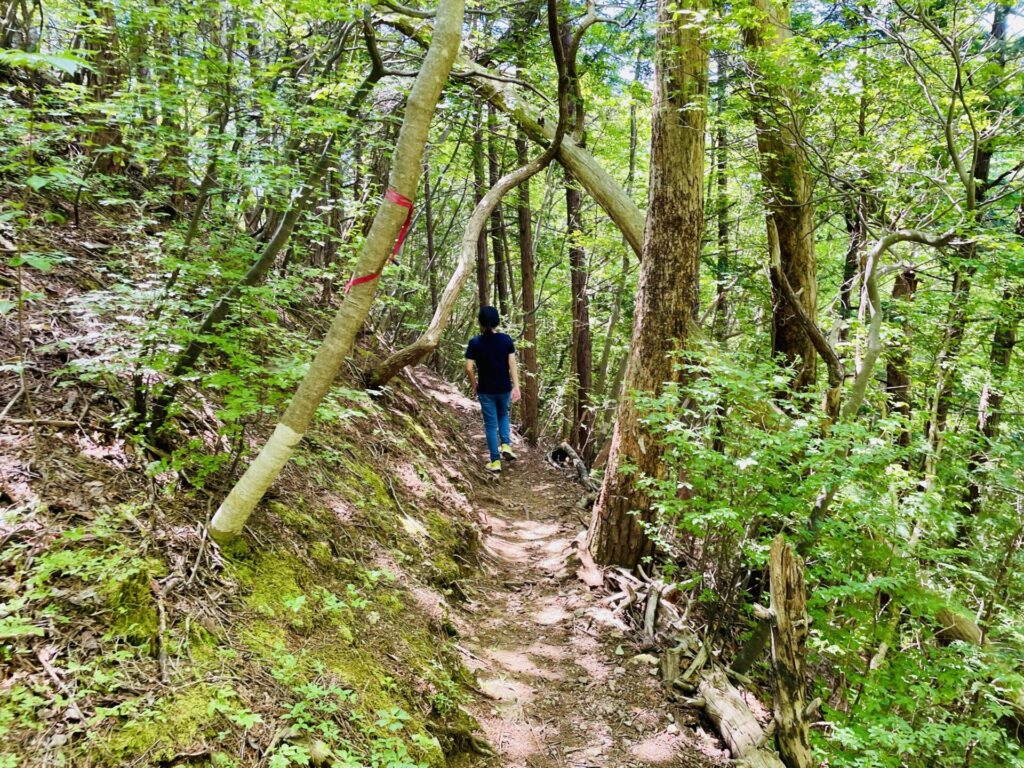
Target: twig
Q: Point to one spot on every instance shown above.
(61, 686)
(16, 398)
(161, 645)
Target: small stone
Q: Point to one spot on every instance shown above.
(670, 716)
(619, 651)
(672, 730)
(644, 658)
(619, 671)
(58, 740)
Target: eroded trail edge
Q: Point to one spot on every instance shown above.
(560, 682)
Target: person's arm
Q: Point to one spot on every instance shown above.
(471, 373)
(514, 370)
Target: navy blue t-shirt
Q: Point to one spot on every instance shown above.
(491, 351)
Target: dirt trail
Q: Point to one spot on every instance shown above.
(560, 688)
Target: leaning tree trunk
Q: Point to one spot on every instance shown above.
(405, 171)
(788, 189)
(194, 350)
(668, 274)
(584, 167)
(430, 338)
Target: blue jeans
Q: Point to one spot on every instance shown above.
(495, 410)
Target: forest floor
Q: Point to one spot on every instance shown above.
(561, 684)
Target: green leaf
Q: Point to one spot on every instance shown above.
(25, 60)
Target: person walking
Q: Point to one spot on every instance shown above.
(491, 367)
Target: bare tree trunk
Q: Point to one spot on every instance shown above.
(528, 349)
(783, 171)
(428, 215)
(501, 283)
(482, 267)
(897, 369)
(406, 166)
(662, 321)
(790, 628)
(429, 340)
(720, 324)
(599, 184)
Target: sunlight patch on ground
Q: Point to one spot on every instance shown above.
(519, 663)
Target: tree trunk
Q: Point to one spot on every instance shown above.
(897, 370)
(479, 184)
(740, 730)
(585, 169)
(964, 268)
(582, 416)
(528, 349)
(788, 190)
(406, 165)
(790, 628)
(720, 324)
(669, 269)
(501, 283)
(428, 215)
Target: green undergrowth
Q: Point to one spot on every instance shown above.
(306, 642)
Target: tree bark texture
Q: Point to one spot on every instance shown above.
(668, 273)
(790, 627)
(897, 369)
(483, 292)
(529, 406)
(737, 725)
(406, 166)
(788, 190)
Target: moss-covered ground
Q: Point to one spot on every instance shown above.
(131, 639)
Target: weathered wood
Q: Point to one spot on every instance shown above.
(790, 624)
(735, 722)
(581, 468)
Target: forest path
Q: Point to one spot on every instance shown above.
(559, 686)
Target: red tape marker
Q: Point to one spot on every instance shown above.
(392, 197)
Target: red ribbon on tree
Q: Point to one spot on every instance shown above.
(392, 197)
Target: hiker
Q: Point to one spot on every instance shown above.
(495, 383)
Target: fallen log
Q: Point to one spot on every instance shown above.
(737, 725)
(582, 473)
